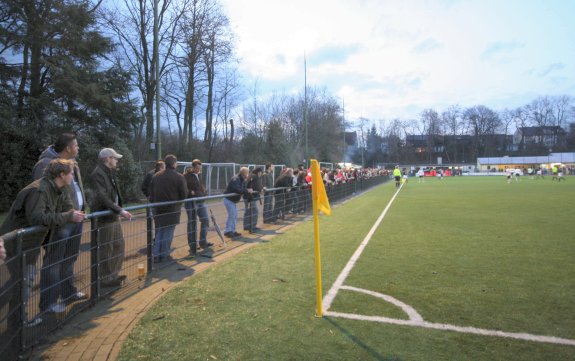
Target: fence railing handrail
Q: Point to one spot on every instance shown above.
(35, 229)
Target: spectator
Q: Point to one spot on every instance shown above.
(2, 251)
(251, 201)
(236, 188)
(167, 185)
(41, 203)
(158, 166)
(107, 196)
(268, 183)
(196, 209)
(61, 253)
(284, 181)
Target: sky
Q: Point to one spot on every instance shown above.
(392, 59)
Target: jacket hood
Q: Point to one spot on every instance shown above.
(49, 153)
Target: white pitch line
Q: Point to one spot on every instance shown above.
(348, 267)
(461, 329)
(415, 318)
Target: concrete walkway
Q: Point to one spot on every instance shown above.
(98, 333)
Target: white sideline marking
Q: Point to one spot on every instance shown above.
(347, 269)
(415, 318)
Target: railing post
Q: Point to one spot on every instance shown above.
(149, 238)
(95, 261)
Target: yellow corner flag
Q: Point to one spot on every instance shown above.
(320, 202)
(318, 194)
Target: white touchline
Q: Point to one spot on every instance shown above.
(347, 269)
(415, 318)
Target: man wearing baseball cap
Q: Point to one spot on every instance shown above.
(107, 197)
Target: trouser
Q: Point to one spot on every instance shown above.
(195, 211)
(268, 207)
(279, 206)
(232, 211)
(57, 275)
(111, 251)
(162, 245)
(250, 214)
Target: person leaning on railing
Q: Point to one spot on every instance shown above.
(61, 253)
(236, 188)
(268, 183)
(251, 201)
(2, 251)
(41, 203)
(107, 197)
(196, 209)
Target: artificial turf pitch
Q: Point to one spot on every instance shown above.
(466, 251)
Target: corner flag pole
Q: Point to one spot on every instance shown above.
(320, 202)
(318, 288)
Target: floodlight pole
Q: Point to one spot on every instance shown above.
(343, 128)
(157, 76)
(305, 107)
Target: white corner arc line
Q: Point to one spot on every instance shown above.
(414, 316)
(460, 329)
(327, 301)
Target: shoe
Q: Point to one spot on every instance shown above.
(237, 234)
(78, 296)
(57, 308)
(33, 322)
(206, 245)
(229, 234)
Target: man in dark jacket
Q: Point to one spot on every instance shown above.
(251, 201)
(284, 181)
(167, 185)
(196, 209)
(61, 253)
(147, 182)
(42, 203)
(236, 188)
(268, 183)
(107, 197)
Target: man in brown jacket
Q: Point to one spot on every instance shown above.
(167, 185)
(107, 197)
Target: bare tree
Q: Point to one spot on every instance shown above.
(132, 23)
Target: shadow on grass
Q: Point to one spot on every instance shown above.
(376, 355)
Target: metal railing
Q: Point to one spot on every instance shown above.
(42, 288)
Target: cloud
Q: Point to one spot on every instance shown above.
(550, 68)
(499, 48)
(425, 46)
(337, 54)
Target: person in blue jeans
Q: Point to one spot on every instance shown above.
(196, 209)
(236, 189)
(251, 201)
(167, 185)
(57, 273)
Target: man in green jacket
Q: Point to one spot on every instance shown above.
(41, 203)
